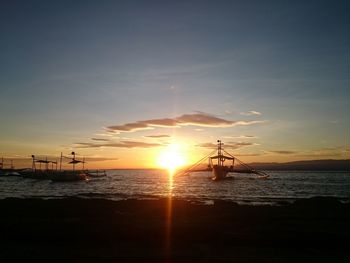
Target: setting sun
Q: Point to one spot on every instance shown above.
(171, 158)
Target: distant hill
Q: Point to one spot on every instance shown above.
(310, 165)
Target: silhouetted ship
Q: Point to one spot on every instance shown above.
(219, 167)
(10, 171)
(55, 174)
(220, 170)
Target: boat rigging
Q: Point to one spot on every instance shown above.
(218, 165)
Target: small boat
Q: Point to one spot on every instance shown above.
(34, 174)
(54, 175)
(219, 170)
(39, 173)
(67, 176)
(11, 171)
(96, 173)
(219, 167)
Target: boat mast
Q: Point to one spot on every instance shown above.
(60, 162)
(220, 163)
(73, 162)
(33, 163)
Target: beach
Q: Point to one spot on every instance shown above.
(171, 230)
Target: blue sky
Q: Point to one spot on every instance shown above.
(69, 69)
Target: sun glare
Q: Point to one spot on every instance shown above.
(171, 158)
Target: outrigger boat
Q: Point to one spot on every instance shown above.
(11, 171)
(54, 174)
(39, 173)
(219, 168)
(74, 175)
(96, 173)
(57, 174)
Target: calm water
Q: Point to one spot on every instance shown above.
(123, 184)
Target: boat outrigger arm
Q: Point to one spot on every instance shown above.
(219, 168)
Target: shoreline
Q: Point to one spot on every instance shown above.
(91, 230)
(256, 201)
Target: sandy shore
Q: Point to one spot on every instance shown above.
(96, 230)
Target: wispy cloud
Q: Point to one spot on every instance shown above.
(241, 137)
(99, 159)
(283, 152)
(316, 153)
(334, 121)
(104, 134)
(100, 139)
(158, 136)
(319, 155)
(325, 152)
(121, 144)
(249, 154)
(196, 119)
(250, 113)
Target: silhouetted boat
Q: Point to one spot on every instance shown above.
(95, 173)
(67, 176)
(219, 169)
(7, 171)
(39, 173)
(54, 175)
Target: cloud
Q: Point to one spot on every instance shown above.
(245, 123)
(318, 155)
(207, 145)
(99, 159)
(234, 145)
(334, 121)
(158, 136)
(104, 134)
(322, 152)
(129, 127)
(197, 119)
(325, 152)
(121, 144)
(100, 139)
(330, 149)
(248, 154)
(283, 152)
(242, 137)
(250, 113)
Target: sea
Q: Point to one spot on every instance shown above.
(279, 188)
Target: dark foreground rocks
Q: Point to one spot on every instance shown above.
(97, 230)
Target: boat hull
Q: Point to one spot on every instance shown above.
(220, 172)
(96, 173)
(68, 176)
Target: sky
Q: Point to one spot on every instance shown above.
(121, 82)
